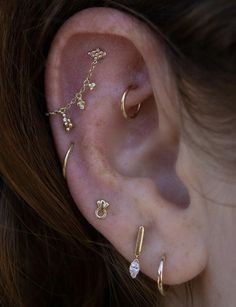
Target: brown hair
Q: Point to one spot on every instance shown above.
(49, 255)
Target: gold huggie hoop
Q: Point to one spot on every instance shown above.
(160, 276)
(66, 159)
(122, 105)
(134, 266)
(101, 211)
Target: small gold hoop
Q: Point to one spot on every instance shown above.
(122, 105)
(160, 276)
(101, 211)
(66, 159)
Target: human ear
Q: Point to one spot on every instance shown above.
(129, 163)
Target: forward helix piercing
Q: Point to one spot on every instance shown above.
(135, 266)
(96, 55)
(160, 276)
(123, 108)
(101, 211)
(66, 159)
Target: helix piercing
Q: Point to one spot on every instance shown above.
(101, 211)
(135, 266)
(96, 55)
(66, 159)
(122, 105)
(160, 275)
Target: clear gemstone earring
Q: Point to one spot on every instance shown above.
(135, 266)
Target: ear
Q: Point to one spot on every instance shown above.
(129, 163)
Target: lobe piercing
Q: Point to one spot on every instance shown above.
(135, 266)
(96, 55)
(160, 275)
(66, 159)
(101, 211)
(122, 105)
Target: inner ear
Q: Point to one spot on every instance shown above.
(141, 151)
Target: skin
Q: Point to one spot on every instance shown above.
(144, 167)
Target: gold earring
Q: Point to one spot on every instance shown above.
(96, 56)
(66, 159)
(101, 211)
(135, 266)
(122, 105)
(160, 276)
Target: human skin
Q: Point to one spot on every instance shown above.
(142, 166)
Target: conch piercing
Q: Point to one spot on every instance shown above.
(66, 159)
(122, 105)
(134, 266)
(160, 276)
(96, 55)
(101, 211)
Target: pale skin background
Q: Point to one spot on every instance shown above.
(146, 170)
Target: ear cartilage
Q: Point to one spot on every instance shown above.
(101, 211)
(135, 266)
(96, 56)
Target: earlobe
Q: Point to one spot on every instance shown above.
(121, 171)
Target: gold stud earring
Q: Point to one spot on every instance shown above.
(66, 159)
(135, 266)
(101, 211)
(96, 56)
(160, 275)
(122, 105)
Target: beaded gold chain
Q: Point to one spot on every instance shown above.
(96, 55)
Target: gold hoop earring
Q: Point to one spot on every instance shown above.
(122, 106)
(66, 159)
(160, 276)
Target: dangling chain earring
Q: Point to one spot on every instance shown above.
(96, 55)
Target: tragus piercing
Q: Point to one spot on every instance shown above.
(96, 55)
(135, 266)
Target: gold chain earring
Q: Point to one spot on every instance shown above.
(160, 275)
(122, 105)
(96, 55)
(101, 211)
(66, 159)
(135, 266)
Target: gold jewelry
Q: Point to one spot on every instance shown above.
(66, 159)
(96, 55)
(160, 276)
(122, 106)
(101, 211)
(134, 266)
